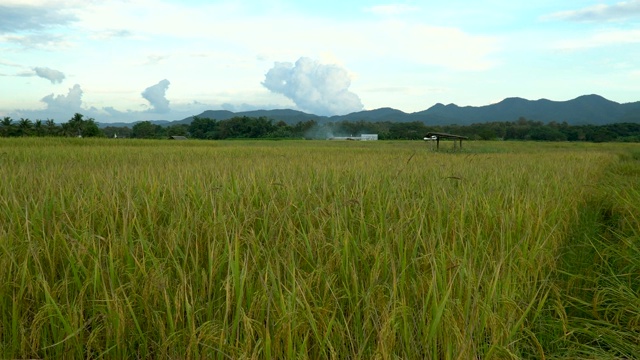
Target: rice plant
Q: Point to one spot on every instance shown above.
(297, 249)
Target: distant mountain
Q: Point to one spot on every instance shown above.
(382, 114)
(124, 124)
(287, 115)
(587, 109)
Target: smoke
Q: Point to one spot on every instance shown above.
(72, 101)
(52, 75)
(322, 89)
(155, 95)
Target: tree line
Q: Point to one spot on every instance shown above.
(77, 126)
(244, 127)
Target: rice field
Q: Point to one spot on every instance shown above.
(318, 249)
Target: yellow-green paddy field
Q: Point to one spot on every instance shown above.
(118, 248)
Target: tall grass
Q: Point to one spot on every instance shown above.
(112, 249)
(596, 311)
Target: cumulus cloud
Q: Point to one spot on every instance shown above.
(62, 107)
(618, 11)
(322, 89)
(52, 75)
(72, 101)
(155, 95)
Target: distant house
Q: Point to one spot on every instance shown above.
(176, 137)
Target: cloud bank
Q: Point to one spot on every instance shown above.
(72, 102)
(155, 95)
(63, 106)
(618, 11)
(19, 18)
(52, 75)
(322, 89)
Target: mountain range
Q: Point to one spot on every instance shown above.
(586, 109)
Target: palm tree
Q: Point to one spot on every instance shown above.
(74, 125)
(6, 126)
(24, 127)
(51, 129)
(39, 129)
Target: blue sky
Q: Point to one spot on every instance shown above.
(150, 59)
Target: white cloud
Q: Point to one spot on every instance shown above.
(601, 38)
(619, 11)
(322, 89)
(391, 9)
(370, 46)
(410, 40)
(448, 48)
(19, 18)
(155, 59)
(52, 75)
(155, 95)
(71, 102)
(37, 41)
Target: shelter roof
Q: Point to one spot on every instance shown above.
(445, 135)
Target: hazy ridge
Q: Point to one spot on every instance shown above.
(586, 109)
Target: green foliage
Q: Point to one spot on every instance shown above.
(546, 133)
(595, 307)
(203, 128)
(116, 132)
(244, 127)
(81, 127)
(77, 126)
(147, 130)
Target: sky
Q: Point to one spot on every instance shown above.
(128, 60)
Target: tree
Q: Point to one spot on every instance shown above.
(118, 132)
(145, 130)
(409, 131)
(78, 126)
(601, 134)
(38, 129)
(547, 133)
(244, 127)
(304, 129)
(203, 128)
(7, 128)
(51, 129)
(177, 130)
(24, 127)
(73, 127)
(90, 128)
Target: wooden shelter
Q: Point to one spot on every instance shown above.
(177, 137)
(439, 135)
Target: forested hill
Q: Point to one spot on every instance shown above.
(584, 110)
(588, 109)
(286, 115)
